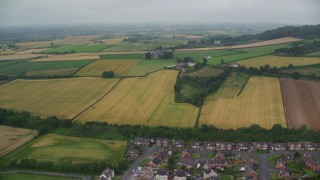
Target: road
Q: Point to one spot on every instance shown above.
(264, 167)
(48, 174)
(129, 175)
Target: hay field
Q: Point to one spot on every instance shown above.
(257, 44)
(54, 72)
(59, 149)
(119, 67)
(63, 98)
(148, 100)
(279, 61)
(70, 57)
(259, 103)
(12, 138)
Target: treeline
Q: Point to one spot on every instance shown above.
(206, 86)
(56, 52)
(299, 49)
(125, 132)
(69, 167)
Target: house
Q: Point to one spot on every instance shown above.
(248, 159)
(162, 142)
(294, 146)
(250, 173)
(188, 163)
(217, 163)
(281, 164)
(178, 143)
(146, 174)
(107, 174)
(180, 175)
(279, 147)
(195, 144)
(156, 161)
(161, 174)
(219, 156)
(284, 174)
(186, 154)
(243, 146)
(209, 145)
(141, 141)
(133, 153)
(260, 145)
(234, 65)
(191, 64)
(312, 164)
(308, 146)
(223, 146)
(210, 174)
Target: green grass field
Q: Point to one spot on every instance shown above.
(59, 149)
(10, 62)
(314, 54)
(19, 68)
(121, 56)
(247, 53)
(77, 48)
(25, 176)
(305, 70)
(200, 54)
(146, 66)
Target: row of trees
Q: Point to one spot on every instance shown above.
(299, 49)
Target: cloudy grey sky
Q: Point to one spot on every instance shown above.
(24, 12)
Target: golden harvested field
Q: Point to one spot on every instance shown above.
(52, 72)
(63, 41)
(70, 57)
(279, 61)
(259, 103)
(119, 67)
(148, 100)
(262, 43)
(12, 138)
(63, 98)
(20, 56)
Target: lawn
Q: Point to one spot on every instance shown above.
(64, 98)
(19, 68)
(25, 176)
(59, 149)
(119, 67)
(121, 56)
(143, 100)
(279, 61)
(259, 103)
(13, 138)
(200, 54)
(76, 48)
(147, 66)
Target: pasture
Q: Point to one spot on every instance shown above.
(259, 103)
(19, 68)
(70, 57)
(59, 149)
(279, 61)
(12, 138)
(201, 54)
(301, 102)
(148, 100)
(119, 67)
(29, 176)
(145, 67)
(76, 48)
(64, 98)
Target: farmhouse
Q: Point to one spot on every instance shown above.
(161, 174)
(107, 174)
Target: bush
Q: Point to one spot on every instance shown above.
(108, 74)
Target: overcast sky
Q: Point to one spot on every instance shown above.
(24, 12)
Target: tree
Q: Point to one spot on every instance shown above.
(222, 61)
(108, 74)
(147, 55)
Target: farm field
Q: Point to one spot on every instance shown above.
(247, 53)
(13, 138)
(147, 66)
(200, 54)
(204, 72)
(122, 56)
(314, 54)
(279, 61)
(64, 98)
(70, 57)
(148, 100)
(54, 72)
(301, 102)
(18, 68)
(259, 103)
(28, 176)
(119, 67)
(30, 51)
(77, 48)
(256, 44)
(8, 63)
(19, 56)
(305, 70)
(59, 149)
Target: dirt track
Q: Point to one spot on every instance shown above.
(301, 102)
